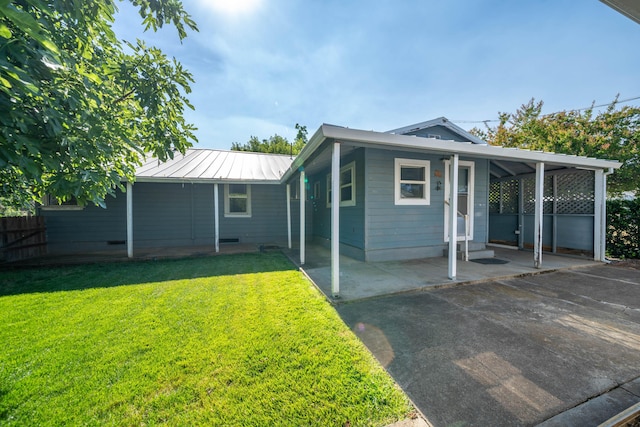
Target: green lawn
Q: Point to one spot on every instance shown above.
(228, 340)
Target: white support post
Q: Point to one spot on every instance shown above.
(303, 196)
(539, 217)
(599, 216)
(129, 220)
(216, 218)
(335, 219)
(453, 216)
(289, 216)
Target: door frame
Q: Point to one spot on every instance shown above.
(470, 165)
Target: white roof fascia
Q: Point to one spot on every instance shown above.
(470, 149)
(309, 148)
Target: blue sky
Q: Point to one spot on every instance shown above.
(261, 66)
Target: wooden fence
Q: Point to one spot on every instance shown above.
(22, 238)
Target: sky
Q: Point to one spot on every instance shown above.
(261, 66)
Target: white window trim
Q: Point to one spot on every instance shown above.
(228, 214)
(399, 163)
(49, 203)
(352, 201)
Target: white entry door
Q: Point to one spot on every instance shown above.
(466, 178)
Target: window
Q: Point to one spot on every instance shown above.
(316, 190)
(295, 189)
(411, 182)
(49, 203)
(237, 200)
(347, 186)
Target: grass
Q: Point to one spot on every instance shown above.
(228, 340)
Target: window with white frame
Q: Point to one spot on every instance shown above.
(237, 200)
(347, 186)
(411, 182)
(50, 203)
(295, 189)
(316, 190)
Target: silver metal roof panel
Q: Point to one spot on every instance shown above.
(216, 165)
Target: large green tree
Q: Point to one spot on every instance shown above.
(276, 144)
(80, 108)
(613, 133)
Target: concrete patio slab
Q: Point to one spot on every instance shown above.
(360, 280)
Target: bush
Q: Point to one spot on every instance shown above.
(623, 228)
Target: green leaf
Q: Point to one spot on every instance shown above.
(5, 82)
(5, 32)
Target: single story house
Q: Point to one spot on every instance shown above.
(370, 195)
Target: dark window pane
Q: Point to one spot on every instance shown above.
(345, 177)
(238, 205)
(345, 193)
(411, 173)
(237, 188)
(412, 191)
(463, 180)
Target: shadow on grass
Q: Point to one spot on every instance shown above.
(104, 275)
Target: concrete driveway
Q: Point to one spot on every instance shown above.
(561, 348)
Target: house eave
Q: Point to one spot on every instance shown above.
(387, 140)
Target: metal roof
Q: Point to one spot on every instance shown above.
(629, 8)
(208, 165)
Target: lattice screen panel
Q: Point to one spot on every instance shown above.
(576, 193)
(510, 196)
(529, 190)
(503, 197)
(494, 197)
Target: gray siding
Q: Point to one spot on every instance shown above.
(168, 214)
(441, 131)
(92, 228)
(351, 217)
(396, 232)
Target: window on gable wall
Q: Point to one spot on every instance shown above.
(347, 186)
(237, 200)
(411, 182)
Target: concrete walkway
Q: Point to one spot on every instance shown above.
(359, 280)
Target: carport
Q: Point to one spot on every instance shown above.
(573, 208)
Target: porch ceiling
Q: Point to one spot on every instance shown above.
(506, 169)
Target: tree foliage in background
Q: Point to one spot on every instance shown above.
(623, 228)
(79, 107)
(276, 144)
(612, 134)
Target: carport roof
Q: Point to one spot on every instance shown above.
(386, 140)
